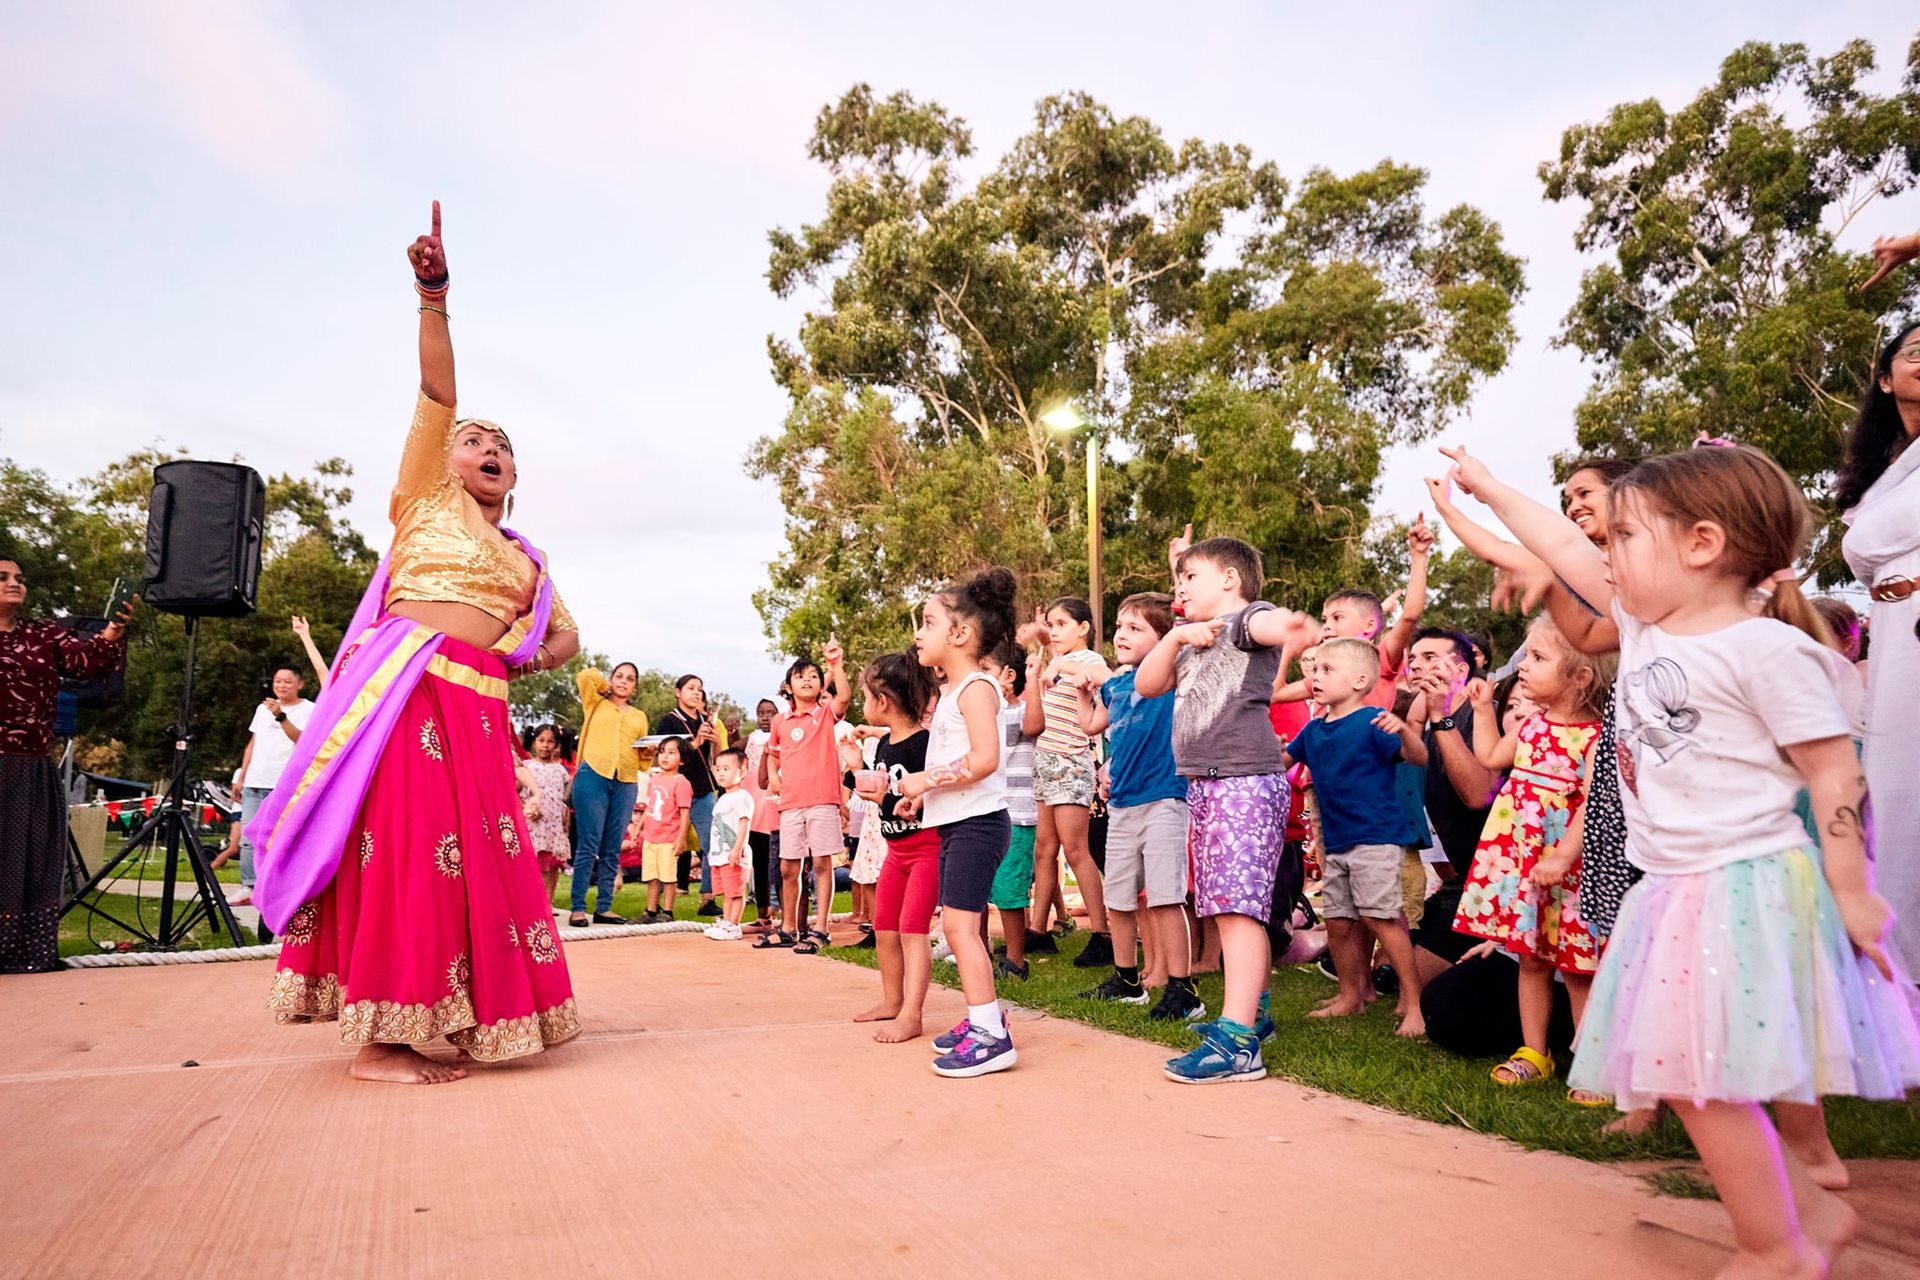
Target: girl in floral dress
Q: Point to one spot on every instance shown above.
(1523, 891)
(547, 806)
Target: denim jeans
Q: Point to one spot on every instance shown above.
(702, 815)
(601, 808)
(251, 798)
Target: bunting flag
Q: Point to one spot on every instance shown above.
(146, 804)
(113, 811)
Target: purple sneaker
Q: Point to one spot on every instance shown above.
(947, 1041)
(981, 1053)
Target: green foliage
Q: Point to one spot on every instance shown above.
(74, 540)
(1724, 307)
(552, 697)
(1245, 349)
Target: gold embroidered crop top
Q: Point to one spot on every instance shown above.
(444, 549)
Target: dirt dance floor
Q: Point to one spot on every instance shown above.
(719, 1117)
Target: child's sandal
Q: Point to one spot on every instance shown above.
(778, 938)
(806, 947)
(1524, 1067)
(1588, 1098)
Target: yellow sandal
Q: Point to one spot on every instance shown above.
(1523, 1067)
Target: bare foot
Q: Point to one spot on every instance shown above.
(1829, 1222)
(1365, 1001)
(1822, 1164)
(401, 1064)
(1339, 1007)
(1634, 1123)
(1412, 1026)
(1802, 1264)
(898, 1031)
(882, 1012)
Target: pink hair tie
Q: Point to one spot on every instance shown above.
(1705, 441)
(1782, 576)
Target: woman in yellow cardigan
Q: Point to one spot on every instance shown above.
(605, 783)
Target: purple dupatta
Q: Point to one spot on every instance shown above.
(302, 828)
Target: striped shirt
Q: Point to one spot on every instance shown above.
(1017, 747)
(1061, 701)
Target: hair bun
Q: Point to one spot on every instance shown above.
(995, 589)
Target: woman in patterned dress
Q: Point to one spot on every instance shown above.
(396, 864)
(34, 656)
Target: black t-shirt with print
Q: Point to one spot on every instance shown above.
(697, 765)
(1456, 824)
(899, 759)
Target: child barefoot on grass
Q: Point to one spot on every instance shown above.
(1742, 969)
(1352, 751)
(898, 691)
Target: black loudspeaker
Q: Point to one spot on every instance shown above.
(100, 691)
(204, 525)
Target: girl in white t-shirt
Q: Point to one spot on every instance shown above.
(1742, 970)
(962, 794)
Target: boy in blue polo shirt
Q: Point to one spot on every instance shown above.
(1352, 751)
(1146, 818)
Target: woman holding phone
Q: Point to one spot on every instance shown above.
(691, 720)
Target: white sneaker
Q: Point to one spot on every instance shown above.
(244, 898)
(718, 932)
(735, 933)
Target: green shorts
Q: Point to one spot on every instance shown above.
(1013, 883)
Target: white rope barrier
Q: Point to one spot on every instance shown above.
(118, 959)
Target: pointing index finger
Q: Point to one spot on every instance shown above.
(436, 219)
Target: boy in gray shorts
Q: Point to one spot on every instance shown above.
(1352, 751)
(1146, 818)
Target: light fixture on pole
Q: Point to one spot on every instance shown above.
(1065, 419)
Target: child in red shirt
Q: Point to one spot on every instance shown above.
(662, 829)
(803, 770)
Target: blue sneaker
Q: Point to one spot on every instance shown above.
(1223, 1056)
(981, 1053)
(1262, 1027)
(947, 1041)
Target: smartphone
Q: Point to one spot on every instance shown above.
(117, 598)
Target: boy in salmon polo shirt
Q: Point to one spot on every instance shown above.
(803, 771)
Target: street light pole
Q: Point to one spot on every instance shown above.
(1096, 578)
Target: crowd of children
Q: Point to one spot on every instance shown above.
(1653, 819)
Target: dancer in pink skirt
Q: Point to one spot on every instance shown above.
(395, 862)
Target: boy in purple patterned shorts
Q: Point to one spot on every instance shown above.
(1223, 661)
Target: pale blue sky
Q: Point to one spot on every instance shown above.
(207, 203)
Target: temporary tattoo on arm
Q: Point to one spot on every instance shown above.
(1847, 824)
(942, 775)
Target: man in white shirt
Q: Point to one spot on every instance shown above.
(276, 727)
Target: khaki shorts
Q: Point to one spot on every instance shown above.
(1146, 849)
(1362, 880)
(659, 861)
(1413, 887)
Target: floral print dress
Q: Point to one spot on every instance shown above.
(1530, 816)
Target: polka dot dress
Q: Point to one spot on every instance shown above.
(1605, 873)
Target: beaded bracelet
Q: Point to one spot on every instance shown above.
(439, 311)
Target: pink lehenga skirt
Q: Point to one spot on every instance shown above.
(436, 922)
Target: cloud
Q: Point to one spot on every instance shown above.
(230, 77)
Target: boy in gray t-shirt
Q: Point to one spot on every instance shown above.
(1223, 662)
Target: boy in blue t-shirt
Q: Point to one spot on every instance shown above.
(1353, 753)
(1146, 818)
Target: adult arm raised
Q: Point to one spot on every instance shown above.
(429, 258)
(1545, 532)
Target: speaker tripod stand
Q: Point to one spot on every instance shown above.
(170, 822)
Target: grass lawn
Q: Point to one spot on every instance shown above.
(1361, 1058)
(81, 932)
